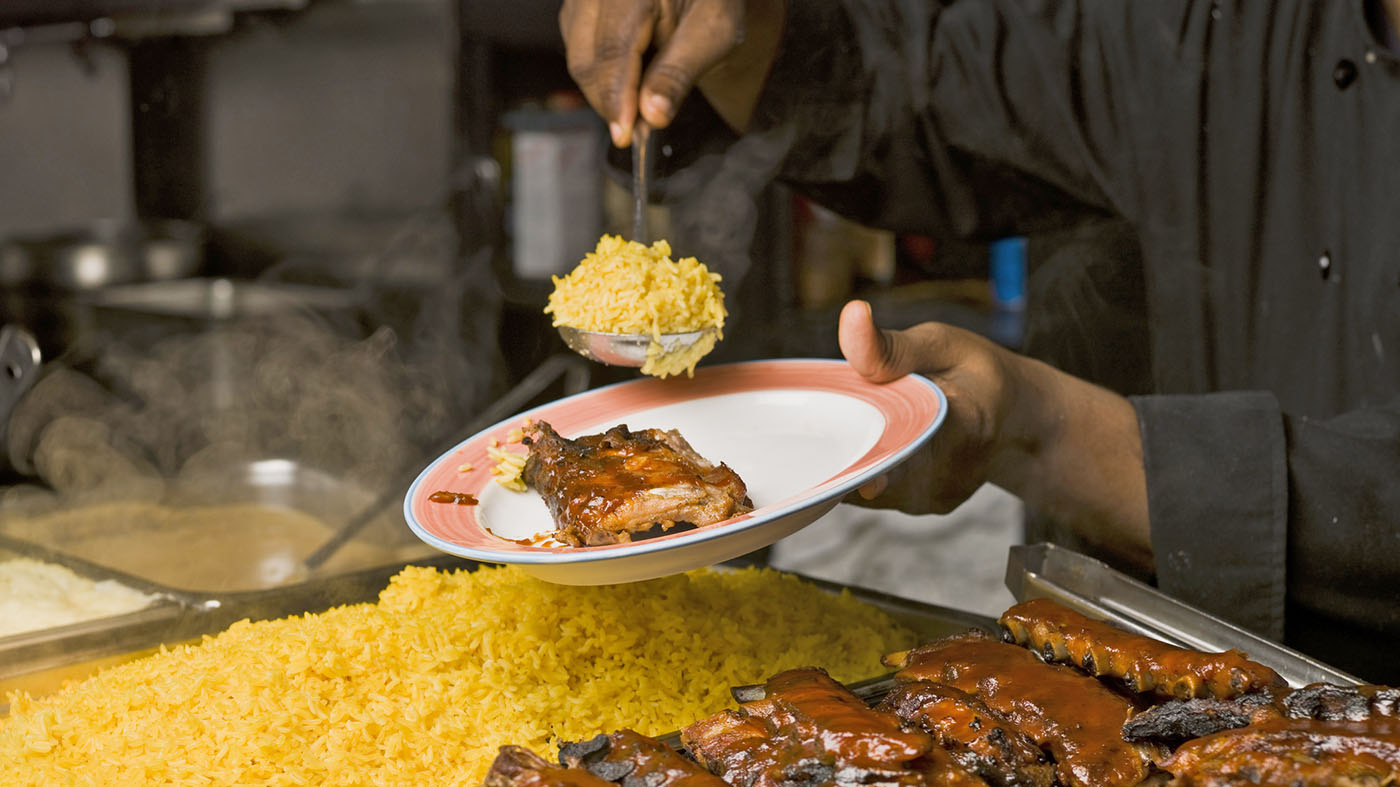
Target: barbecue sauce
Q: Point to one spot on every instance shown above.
(1143, 664)
(459, 498)
(1076, 718)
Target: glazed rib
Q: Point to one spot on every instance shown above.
(808, 703)
(939, 768)
(1076, 718)
(741, 750)
(975, 736)
(1142, 663)
(1301, 752)
(516, 766)
(631, 759)
(606, 488)
(807, 729)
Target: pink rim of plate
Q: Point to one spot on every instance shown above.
(913, 408)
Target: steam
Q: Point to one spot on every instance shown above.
(716, 209)
(359, 391)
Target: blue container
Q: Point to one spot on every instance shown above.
(1008, 273)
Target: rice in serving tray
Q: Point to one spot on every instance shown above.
(422, 687)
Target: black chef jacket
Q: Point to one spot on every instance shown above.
(1255, 149)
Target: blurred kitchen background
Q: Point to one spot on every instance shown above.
(289, 250)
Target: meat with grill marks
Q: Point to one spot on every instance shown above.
(1180, 720)
(628, 758)
(516, 766)
(809, 730)
(1143, 664)
(1078, 719)
(741, 750)
(1293, 752)
(609, 488)
(974, 735)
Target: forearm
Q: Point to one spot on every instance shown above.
(1072, 451)
(733, 85)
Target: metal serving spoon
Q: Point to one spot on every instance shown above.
(624, 349)
(630, 349)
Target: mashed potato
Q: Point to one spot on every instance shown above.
(36, 595)
(625, 287)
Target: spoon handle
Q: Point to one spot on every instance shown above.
(641, 139)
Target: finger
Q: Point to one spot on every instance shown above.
(873, 489)
(605, 42)
(578, 24)
(881, 356)
(865, 346)
(703, 36)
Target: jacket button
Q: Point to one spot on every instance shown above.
(1344, 73)
(1324, 265)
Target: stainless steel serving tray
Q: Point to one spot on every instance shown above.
(1094, 589)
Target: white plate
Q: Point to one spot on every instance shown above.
(801, 433)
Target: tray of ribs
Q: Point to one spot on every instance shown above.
(1058, 699)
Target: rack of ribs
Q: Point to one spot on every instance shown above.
(607, 488)
(1076, 718)
(1303, 752)
(806, 729)
(1143, 664)
(974, 735)
(628, 758)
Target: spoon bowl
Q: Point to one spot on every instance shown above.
(625, 349)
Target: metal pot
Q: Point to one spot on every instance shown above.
(103, 254)
(19, 367)
(46, 282)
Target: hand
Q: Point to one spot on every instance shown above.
(1065, 446)
(725, 45)
(974, 376)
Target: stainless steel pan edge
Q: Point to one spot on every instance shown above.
(1094, 589)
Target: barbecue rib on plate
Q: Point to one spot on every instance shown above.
(606, 488)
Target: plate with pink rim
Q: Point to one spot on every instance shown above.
(801, 433)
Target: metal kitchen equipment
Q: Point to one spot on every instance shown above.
(624, 349)
(19, 366)
(641, 140)
(1094, 589)
(47, 281)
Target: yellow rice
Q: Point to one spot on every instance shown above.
(626, 287)
(422, 687)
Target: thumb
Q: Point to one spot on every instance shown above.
(873, 353)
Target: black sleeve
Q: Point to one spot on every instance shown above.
(1267, 519)
(975, 117)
